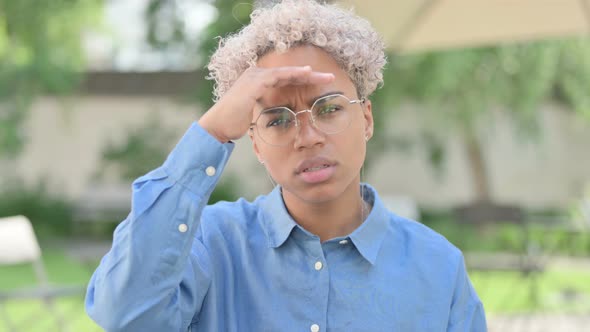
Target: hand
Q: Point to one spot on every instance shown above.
(230, 118)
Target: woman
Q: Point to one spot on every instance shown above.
(320, 252)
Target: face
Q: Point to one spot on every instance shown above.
(314, 167)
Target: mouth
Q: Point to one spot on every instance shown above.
(313, 165)
(316, 170)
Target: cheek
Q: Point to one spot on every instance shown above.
(357, 143)
(358, 150)
(276, 160)
(352, 147)
(356, 132)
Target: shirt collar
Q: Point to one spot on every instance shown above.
(276, 220)
(367, 238)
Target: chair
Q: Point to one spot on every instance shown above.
(18, 245)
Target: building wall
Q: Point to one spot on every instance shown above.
(66, 137)
(548, 171)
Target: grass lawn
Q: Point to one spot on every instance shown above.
(553, 291)
(32, 315)
(559, 291)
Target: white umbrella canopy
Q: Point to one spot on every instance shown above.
(409, 26)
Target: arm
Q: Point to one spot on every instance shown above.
(467, 312)
(157, 273)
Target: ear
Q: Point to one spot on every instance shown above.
(254, 144)
(368, 115)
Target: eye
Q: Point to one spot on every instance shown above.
(282, 122)
(277, 118)
(328, 109)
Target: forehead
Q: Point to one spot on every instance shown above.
(319, 61)
(298, 56)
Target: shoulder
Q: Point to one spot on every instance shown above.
(418, 234)
(423, 245)
(411, 240)
(426, 256)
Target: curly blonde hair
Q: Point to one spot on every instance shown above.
(349, 39)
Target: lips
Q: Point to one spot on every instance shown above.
(313, 165)
(313, 169)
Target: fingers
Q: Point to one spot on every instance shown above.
(230, 117)
(283, 76)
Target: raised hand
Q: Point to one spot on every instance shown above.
(230, 118)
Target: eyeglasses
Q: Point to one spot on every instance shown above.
(330, 114)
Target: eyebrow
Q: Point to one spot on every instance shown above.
(310, 102)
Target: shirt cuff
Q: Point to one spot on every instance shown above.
(198, 160)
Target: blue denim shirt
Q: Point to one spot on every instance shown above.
(179, 265)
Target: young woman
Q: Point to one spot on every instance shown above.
(318, 253)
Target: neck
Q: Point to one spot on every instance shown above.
(330, 219)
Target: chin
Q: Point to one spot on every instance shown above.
(318, 192)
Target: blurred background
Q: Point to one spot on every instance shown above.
(483, 134)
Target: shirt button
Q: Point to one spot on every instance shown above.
(315, 328)
(182, 228)
(343, 242)
(210, 170)
(318, 266)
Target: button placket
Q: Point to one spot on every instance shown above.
(321, 280)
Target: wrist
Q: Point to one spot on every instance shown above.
(204, 123)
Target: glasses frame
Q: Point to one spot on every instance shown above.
(360, 101)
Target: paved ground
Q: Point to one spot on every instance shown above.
(539, 323)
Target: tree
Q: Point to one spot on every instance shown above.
(231, 16)
(40, 51)
(457, 89)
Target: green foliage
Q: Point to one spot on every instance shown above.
(456, 91)
(165, 27)
(563, 241)
(579, 212)
(232, 16)
(504, 237)
(460, 87)
(144, 149)
(40, 51)
(49, 213)
(573, 76)
(511, 292)
(165, 16)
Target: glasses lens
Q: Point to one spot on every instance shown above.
(332, 113)
(276, 126)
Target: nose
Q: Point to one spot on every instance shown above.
(308, 135)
